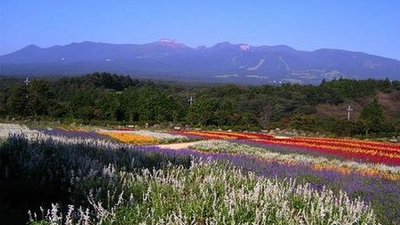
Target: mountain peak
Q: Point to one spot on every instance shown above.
(84, 43)
(170, 43)
(201, 48)
(244, 47)
(225, 43)
(166, 40)
(32, 47)
(222, 45)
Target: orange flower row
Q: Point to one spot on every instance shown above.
(389, 147)
(363, 171)
(209, 135)
(235, 135)
(225, 135)
(131, 138)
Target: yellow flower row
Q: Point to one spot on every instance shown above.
(363, 171)
(211, 135)
(131, 138)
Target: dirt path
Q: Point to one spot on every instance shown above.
(177, 146)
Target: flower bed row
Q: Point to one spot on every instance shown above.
(387, 155)
(317, 163)
(71, 133)
(131, 138)
(225, 135)
(7, 129)
(162, 137)
(368, 151)
(143, 137)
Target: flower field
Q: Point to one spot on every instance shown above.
(368, 151)
(317, 163)
(364, 157)
(93, 177)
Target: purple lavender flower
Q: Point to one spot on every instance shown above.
(72, 133)
(383, 194)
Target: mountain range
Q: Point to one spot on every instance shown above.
(224, 62)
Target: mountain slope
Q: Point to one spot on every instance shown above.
(223, 62)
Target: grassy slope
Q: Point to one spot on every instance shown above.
(390, 103)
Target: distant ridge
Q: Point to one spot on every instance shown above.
(224, 62)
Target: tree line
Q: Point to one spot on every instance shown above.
(115, 99)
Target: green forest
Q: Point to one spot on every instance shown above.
(111, 99)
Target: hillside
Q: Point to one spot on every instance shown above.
(105, 98)
(390, 103)
(221, 63)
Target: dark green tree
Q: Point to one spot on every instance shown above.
(18, 101)
(81, 105)
(303, 122)
(39, 97)
(372, 117)
(109, 106)
(202, 111)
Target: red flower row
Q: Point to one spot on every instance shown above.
(377, 152)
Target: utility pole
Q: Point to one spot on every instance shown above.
(349, 110)
(27, 81)
(190, 100)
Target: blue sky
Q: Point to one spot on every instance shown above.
(370, 26)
